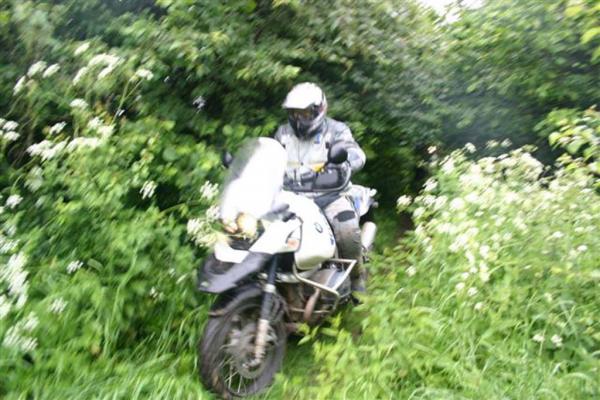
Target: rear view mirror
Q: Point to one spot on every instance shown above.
(337, 153)
(226, 159)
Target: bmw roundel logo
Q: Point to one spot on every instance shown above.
(318, 227)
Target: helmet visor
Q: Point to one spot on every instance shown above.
(305, 115)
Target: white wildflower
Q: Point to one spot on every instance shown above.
(57, 128)
(457, 204)
(472, 291)
(492, 144)
(440, 202)
(430, 185)
(520, 224)
(194, 226)
(13, 201)
(80, 74)
(29, 344)
(14, 274)
(511, 197)
(403, 201)
(411, 271)
(74, 266)
(506, 143)
(464, 276)
(4, 306)
(35, 179)
(484, 276)
(19, 85)
(83, 142)
(148, 189)
(478, 306)
(557, 235)
(58, 306)
(79, 103)
(199, 102)
(105, 59)
(448, 165)
(13, 339)
(106, 130)
(153, 292)
(209, 191)
(144, 74)
(472, 198)
(557, 340)
(459, 243)
(212, 213)
(7, 246)
(10, 125)
(582, 249)
(470, 148)
(46, 149)
(428, 200)
(36, 68)
(105, 72)
(30, 323)
(419, 212)
(95, 123)
(82, 48)
(431, 149)
(484, 251)
(538, 337)
(51, 70)
(11, 136)
(459, 286)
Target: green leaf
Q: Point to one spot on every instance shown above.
(575, 145)
(170, 154)
(590, 34)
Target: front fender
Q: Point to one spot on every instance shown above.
(218, 277)
(228, 301)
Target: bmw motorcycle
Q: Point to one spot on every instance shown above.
(275, 267)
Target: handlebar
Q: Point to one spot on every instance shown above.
(333, 179)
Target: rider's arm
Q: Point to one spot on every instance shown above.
(356, 156)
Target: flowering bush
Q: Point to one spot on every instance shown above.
(93, 242)
(493, 294)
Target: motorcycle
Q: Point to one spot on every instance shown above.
(276, 266)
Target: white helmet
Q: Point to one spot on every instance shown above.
(306, 105)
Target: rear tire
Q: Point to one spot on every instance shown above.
(227, 347)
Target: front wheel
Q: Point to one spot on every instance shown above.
(227, 364)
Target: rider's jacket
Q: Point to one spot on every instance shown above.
(311, 153)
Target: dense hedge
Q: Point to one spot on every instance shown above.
(113, 115)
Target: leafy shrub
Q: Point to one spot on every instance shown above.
(93, 228)
(494, 293)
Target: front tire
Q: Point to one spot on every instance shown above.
(227, 349)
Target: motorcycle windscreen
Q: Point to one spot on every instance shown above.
(255, 178)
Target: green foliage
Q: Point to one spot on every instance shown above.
(493, 294)
(512, 62)
(577, 132)
(113, 117)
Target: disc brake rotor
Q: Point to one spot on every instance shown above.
(241, 349)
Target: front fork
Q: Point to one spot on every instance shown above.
(262, 331)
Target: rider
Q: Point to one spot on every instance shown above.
(307, 137)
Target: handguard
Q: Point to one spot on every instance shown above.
(333, 178)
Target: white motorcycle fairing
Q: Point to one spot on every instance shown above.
(317, 243)
(308, 235)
